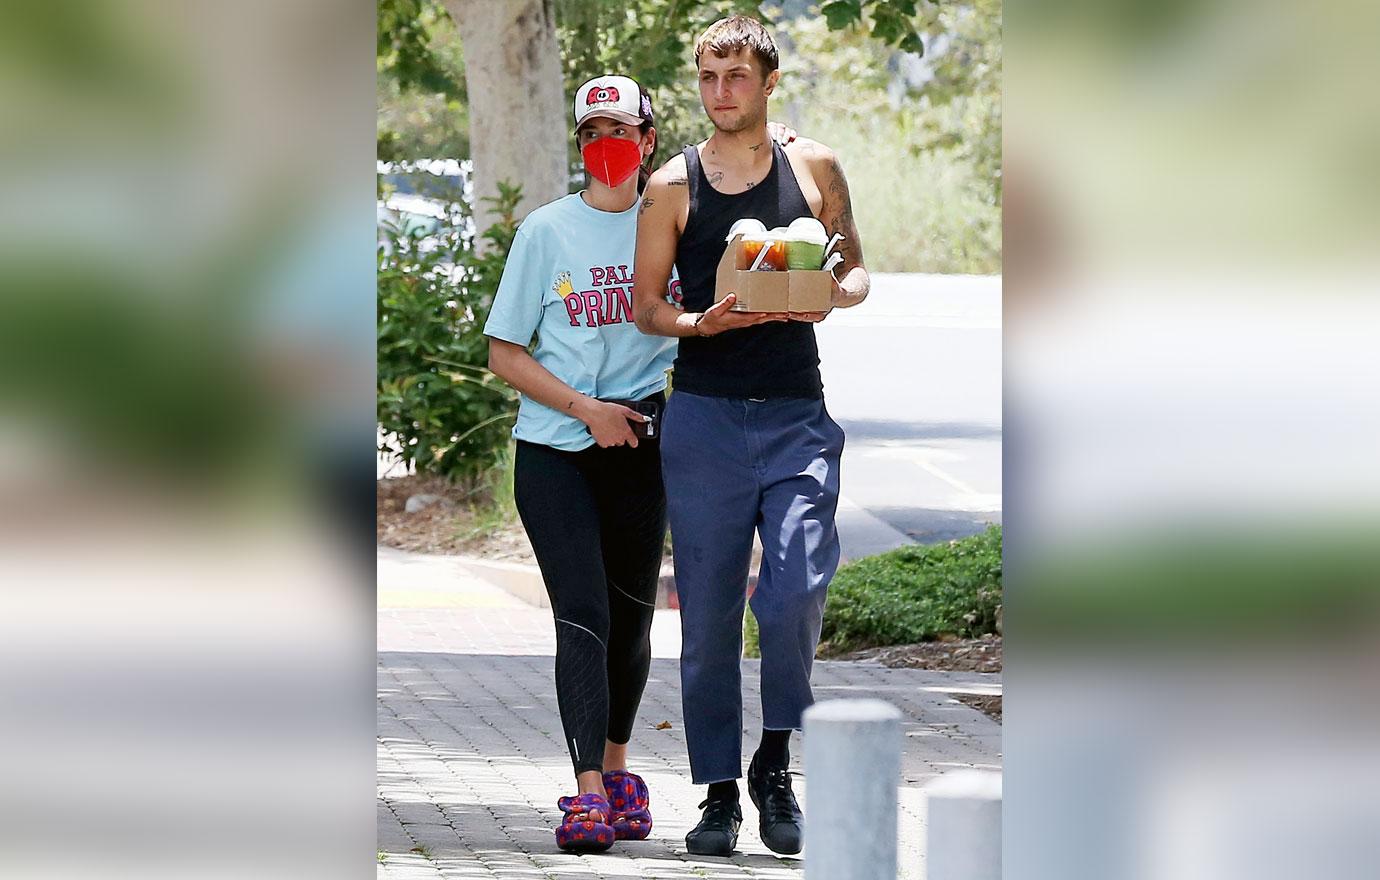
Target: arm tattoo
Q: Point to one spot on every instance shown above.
(646, 203)
(678, 181)
(838, 187)
(842, 204)
(649, 315)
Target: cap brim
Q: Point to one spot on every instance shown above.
(618, 115)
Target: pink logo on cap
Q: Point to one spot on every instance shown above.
(602, 95)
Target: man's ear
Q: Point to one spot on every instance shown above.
(772, 79)
(651, 142)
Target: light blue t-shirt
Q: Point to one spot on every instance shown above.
(569, 280)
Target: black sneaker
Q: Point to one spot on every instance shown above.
(717, 833)
(780, 821)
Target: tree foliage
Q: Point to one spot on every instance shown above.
(953, 72)
(435, 395)
(896, 23)
(649, 40)
(922, 199)
(423, 107)
(652, 41)
(406, 50)
(965, 88)
(923, 77)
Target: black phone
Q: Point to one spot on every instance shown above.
(647, 430)
(650, 430)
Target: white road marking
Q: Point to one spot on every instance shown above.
(969, 498)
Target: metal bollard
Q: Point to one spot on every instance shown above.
(852, 768)
(963, 829)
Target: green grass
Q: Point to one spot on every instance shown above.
(493, 506)
(751, 647)
(908, 595)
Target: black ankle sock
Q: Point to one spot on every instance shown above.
(775, 749)
(726, 790)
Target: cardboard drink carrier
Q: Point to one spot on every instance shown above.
(791, 290)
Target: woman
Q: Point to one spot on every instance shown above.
(587, 477)
(588, 489)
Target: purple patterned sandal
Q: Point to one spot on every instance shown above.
(628, 798)
(586, 825)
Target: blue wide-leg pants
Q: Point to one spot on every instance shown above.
(732, 466)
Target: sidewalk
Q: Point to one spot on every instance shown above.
(471, 758)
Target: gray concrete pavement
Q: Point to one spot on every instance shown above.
(471, 758)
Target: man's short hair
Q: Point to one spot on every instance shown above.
(728, 36)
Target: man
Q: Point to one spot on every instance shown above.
(746, 441)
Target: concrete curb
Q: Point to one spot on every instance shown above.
(524, 581)
(861, 532)
(519, 579)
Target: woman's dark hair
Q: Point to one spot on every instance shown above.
(644, 173)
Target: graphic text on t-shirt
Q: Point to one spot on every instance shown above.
(609, 299)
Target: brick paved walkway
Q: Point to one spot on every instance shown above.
(471, 758)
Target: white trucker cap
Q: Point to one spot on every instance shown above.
(616, 97)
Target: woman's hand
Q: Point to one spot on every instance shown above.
(782, 134)
(608, 422)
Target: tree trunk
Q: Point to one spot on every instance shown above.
(518, 113)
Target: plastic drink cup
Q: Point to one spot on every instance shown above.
(775, 259)
(805, 241)
(804, 255)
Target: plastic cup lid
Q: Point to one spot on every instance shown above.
(807, 229)
(748, 227)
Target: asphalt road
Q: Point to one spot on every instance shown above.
(914, 377)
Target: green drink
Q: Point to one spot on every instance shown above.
(804, 254)
(805, 241)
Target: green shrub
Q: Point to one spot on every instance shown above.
(450, 415)
(915, 594)
(912, 594)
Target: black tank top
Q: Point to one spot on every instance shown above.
(779, 359)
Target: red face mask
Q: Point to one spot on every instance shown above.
(611, 160)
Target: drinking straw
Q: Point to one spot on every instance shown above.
(830, 263)
(766, 246)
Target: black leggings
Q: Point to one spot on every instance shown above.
(597, 520)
